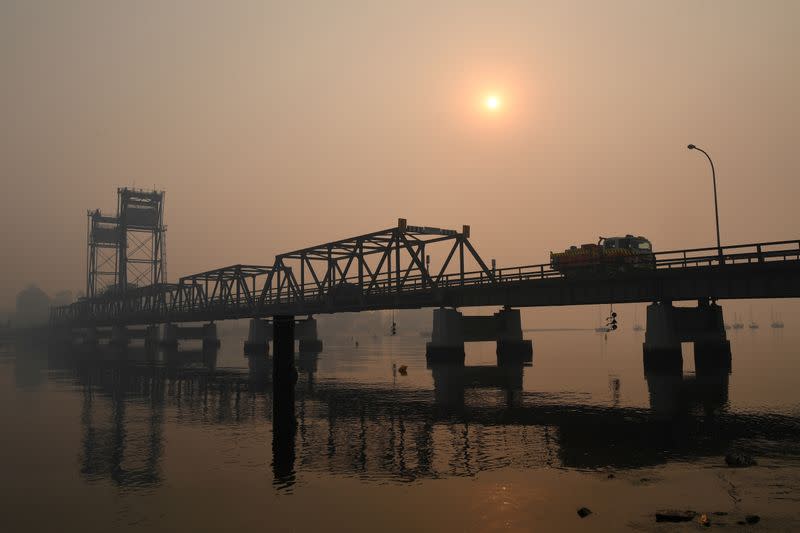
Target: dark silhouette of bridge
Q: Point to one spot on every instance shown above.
(396, 269)
(420, 266)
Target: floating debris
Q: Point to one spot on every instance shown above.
(672, 515)
(739, 460)
(583, 512)
(752, 519)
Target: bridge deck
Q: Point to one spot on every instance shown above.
(358, 275)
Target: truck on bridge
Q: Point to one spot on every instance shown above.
(611, 255)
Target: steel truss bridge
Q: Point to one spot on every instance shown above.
(419, 266)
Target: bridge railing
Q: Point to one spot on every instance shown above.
(731, 255)
(709, 256)
(237, 292)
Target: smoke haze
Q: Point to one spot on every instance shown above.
(275, 126)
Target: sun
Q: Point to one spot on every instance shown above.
(492, 102)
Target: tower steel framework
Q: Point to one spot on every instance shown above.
(102, 250)
(127, 250)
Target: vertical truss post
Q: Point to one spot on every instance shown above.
(102, 250)
(397, 261)
(122, 261)
(389, 262)
(89, 258)
(461, 258)
(330, 268)
(427, 275)
(360, 251)
(303, 276)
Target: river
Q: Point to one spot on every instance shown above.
(105, 441)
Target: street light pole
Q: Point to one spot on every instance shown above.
(716, 208)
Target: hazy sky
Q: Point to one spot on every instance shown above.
(273, 126)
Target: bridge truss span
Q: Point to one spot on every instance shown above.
(420, 266)
(345, 275)
(388, 261)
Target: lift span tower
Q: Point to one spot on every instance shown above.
(126, 250)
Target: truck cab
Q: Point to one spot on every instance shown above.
(639, 245)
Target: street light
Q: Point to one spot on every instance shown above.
(716, 209)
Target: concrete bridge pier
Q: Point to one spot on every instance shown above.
(169, 339)
(662, 345)
(210, 338)
(284, 377)
(258, 336)
(451, 329)
(206, 334)
(306, 331)
(712, 349)
(209, 356)
(284, 374)
(119, 336)
(511, 347)
(85, 336)
(91, 337)
(151, 338)
(669, 326)
(447, 337)
(63, 338)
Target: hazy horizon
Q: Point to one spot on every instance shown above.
(274, 127)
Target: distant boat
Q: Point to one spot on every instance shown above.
(777, 323)
(602, 329)
(727, 326)
(737, 324)
(752, 324)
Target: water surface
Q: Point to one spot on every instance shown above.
(186, 441)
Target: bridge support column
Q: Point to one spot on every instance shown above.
(258, 336)
(668, 326)
(170, 338)
(63, 338)
(88, 337)
(119, 336)
(510, 344)
(307, 333)
(151, 337)
(712, 349)
(447, 339)
(210, 339)
(662, 344)
(284, 374)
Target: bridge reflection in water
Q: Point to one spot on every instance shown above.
(474, 419)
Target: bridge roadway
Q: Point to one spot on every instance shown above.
(392, 269)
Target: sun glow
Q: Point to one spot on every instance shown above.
(492, 102)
